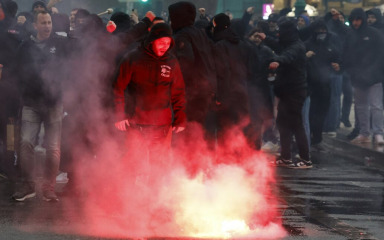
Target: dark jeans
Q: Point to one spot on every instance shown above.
(31, 120)
(290, 123)
(320, 101)
(347, 97)
(332, 120)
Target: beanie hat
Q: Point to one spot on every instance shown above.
(221, 22)
(41, 3)
(158, 31)
(273, 17)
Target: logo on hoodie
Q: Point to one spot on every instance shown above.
(165, 71)
(52, 50)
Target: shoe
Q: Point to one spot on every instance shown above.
(379, 139)
(302, 164)
(353, 134)
(24, 192)
(346, 123)
(331, 134)
(270, 147)
(280, 162)
(361, 139)
(62, 178)
(50, 196)
(318, 148)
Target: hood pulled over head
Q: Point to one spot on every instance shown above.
(182, 14)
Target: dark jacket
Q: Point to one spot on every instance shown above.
(39, 70)
(193, 49)
(319, 66)
(259, 89)
(291, 74)
(379, 19)
(155, 86)
(233, 64)
(363, 53)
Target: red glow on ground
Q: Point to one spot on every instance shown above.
(195, 192)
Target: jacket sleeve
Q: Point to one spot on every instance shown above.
(124, 78)
(289, 55)
(178, 97)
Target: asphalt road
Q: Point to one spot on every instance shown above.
(337, 199)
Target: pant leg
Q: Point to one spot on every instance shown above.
(53, 124)
(282, 123)
(31, 119)
(375, 97)
(347, 97)
(333, 117)
(362, 110)
(290, 122)
(305, 113)
(320, 100)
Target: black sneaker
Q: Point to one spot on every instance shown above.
(318, 148)
(280, 162)
(302, 164)
(24, 192)
(346, 123)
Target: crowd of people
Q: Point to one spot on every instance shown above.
(281, 80)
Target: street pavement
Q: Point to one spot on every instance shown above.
(339, 198)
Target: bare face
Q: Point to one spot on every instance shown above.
(356, 23)
(160, 46)
(43, 26)
(371, 19)
(255, 38)
(72, 18)
(38, 8)
(301, 23)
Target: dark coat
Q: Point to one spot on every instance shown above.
(379, 19)
(319, 66)
(291, 74)
(39, 71)
(155, 86)
(194, 49)
(363, 53)
(233, 64)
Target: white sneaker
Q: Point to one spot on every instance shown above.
(62, 177)
(379, 139)
(361, 139)
(270, 147)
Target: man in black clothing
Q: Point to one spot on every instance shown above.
(375, 19)
(233, 63)
(194, 52)
(290, 87)
(39, 62)
(323, 59)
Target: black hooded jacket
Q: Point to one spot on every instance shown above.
(291, 73)
(319, 66)
(379, 19)
(233, 64)
(364, 52)
(193, 49)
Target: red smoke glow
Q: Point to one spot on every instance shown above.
(194, 192)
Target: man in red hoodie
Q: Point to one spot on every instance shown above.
(156, 90)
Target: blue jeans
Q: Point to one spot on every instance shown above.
(332, 120)
(31, 120)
